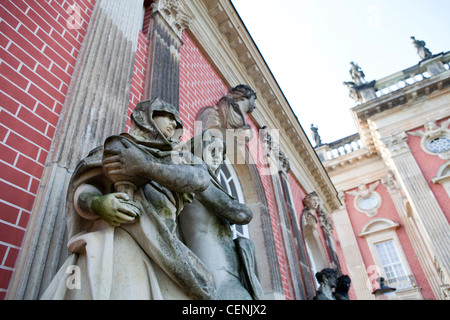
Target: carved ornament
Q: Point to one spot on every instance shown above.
(396, 144)
(367, 200)
(435, 138)
(174, 14)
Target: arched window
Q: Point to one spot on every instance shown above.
(230, 182)
(389, 257)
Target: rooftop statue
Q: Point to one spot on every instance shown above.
(316, 136)
(357, 74)
(205, 226)
(122, 205)
(423, 52)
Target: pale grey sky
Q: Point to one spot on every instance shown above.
(309, 44)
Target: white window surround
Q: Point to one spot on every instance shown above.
(381, 230)
(443, 177)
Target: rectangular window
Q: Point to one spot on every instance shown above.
(394, 271)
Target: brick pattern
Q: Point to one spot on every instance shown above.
(201, 86)
(38, 51)
(137, 83)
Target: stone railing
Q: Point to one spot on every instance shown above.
(423, 70)
(340, 147)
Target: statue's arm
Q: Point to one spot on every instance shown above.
(223, 206)
(135, 164)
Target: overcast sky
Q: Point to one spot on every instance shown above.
(309, 44)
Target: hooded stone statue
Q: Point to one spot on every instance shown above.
(122, 205)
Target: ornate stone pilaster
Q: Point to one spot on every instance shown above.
(96, 107)
(168, 20)
(428, 213)
(420, 250)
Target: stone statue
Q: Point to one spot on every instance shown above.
(357, 74)
(122, 205)
(311, 203)
(422, 51)
(316, 136)
(342, 287)
(230, 111)
(327, 279)
(205, 226)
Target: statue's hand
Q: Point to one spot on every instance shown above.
(126, 161)
(115, 208)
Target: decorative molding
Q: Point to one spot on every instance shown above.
(435, 139)
(390, 183)
(174, 14)
(376, 226)
(228, 40)
(367, 200)
(396, 144)
(273, 151)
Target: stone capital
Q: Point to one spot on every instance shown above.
(174, 14)
(396, 144)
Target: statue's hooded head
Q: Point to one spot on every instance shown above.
(145, 129)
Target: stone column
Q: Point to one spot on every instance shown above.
(96, 107)
(167, 22)
(416, 240)
(427, 213)
(352, 255)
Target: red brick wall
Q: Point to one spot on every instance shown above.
(38, 52)
(137, 83)
(429, 165)
(201, 86)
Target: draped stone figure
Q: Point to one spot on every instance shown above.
(205, 226)
(422, 51)
(122, 205)
(229, 113)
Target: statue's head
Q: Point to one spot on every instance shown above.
(343, 283)
(244, 96)
(214, 152)
(327, 276)
(311, 200)
(210, 147)
(156, 122)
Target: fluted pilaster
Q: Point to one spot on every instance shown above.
(427, 211)
(96, 107)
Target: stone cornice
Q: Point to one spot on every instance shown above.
(396, 101)
(227, 40)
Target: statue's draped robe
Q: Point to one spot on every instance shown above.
(140, 260)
